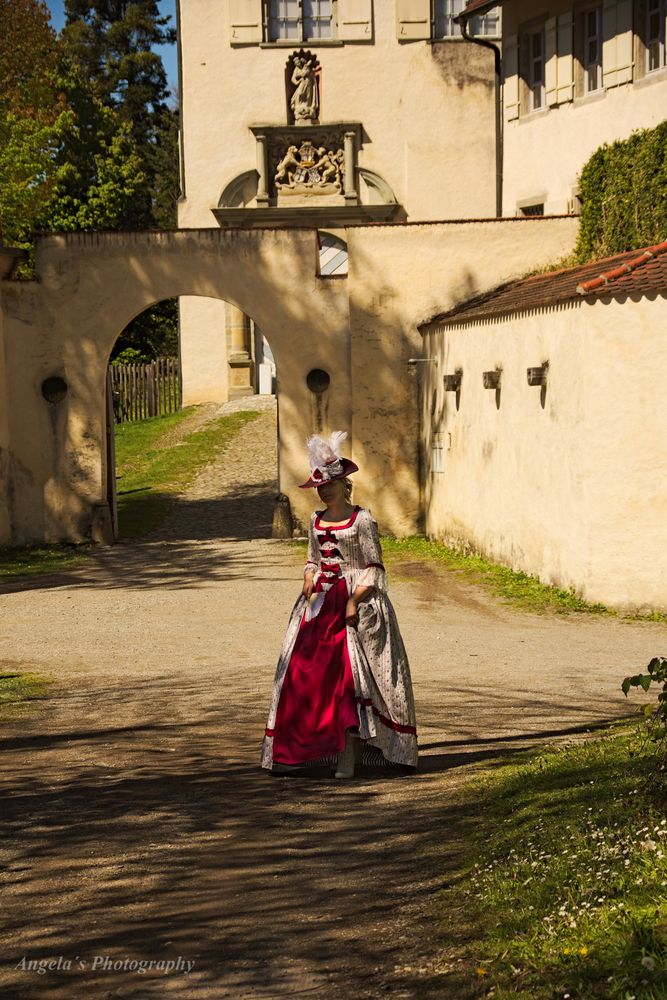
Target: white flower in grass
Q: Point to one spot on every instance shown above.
(648, 963)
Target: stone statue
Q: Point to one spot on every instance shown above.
(305, 101)
(287, 167)
(327, 167)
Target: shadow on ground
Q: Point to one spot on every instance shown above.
(162, 839)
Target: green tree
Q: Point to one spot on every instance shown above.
(33, 116)
(98, 169)
(112, 42)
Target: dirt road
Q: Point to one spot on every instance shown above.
(137, 824)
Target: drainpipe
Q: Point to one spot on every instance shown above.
(463, 21)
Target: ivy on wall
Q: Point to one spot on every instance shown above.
(624, 196)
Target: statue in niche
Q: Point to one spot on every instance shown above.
(304, 100)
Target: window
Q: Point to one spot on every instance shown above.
(446, 10)
(530, 211)
(536, 70)
(592, 53)
(333, 255)
(301, 20)
(656, 15)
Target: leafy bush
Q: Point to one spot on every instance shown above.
(624, 196)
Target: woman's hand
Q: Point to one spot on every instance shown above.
(308, 587)
(352, 613)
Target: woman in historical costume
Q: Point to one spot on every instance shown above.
(343, 675)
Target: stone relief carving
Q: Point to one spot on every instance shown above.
(309, 168)
(302, 75)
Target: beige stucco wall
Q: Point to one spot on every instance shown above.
(572, 491)
(361, 329)
(203, 350)
(427, 109)
(428, 112)
(545, 151)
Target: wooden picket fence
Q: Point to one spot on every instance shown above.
(148, 390)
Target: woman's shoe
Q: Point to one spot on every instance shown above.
(346, 759)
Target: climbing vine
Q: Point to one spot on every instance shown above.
(624, 196)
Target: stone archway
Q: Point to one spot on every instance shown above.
(90, 287)
(361, 329)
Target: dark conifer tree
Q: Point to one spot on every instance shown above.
(112, 42)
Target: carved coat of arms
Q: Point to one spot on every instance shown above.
(311, 168)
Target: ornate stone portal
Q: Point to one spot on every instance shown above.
(307, 172)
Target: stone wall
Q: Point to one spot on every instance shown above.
(361, 329)
(568, 483)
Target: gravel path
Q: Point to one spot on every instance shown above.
(138, 825)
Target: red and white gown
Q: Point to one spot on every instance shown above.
(331, 677)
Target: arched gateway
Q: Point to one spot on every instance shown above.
(361, 329)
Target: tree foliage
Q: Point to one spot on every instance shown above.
(624, 196)
(112, 42)
(32, 116)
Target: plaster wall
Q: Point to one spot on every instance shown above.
(544, 151)
(570, 486)
(428, 111)
(361, 329)
(203, 350)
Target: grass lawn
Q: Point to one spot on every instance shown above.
(515, 588)
(154, 460)
(30, 560)
(149, 473)
(17, 690)
(564, 890)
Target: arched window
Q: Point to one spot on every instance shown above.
(333, 255)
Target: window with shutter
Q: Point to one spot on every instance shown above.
(565, 69)
(624, 40)
(355, 20)
(413, 20)
(536, 68)
(609, 43)
(245, 22)
(511, 78)
(656, 16)
(299, 20)
(550, 62)
(444, 26)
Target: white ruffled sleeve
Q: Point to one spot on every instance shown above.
(374, 574)
(313, 557)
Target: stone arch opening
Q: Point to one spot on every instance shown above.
(197, 385)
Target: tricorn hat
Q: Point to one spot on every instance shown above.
(326, 461)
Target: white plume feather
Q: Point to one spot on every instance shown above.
(321, 452)
(336, 441)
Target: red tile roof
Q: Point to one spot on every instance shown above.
(636, 272)
(478, 7)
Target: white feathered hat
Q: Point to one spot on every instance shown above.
(326, 461)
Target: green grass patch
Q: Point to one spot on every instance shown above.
(31, 560)
(564, 889)
(515, 588)
(17, 690)
(151, 470)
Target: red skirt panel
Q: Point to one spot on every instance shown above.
(317, 698)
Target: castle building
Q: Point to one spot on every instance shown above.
(325, 114)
